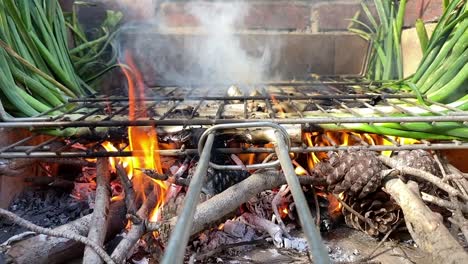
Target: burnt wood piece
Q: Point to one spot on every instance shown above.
(97, 231)
(229, 200)
(44, 249)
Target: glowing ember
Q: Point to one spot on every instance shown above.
(278, 106)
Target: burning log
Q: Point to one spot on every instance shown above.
(228, 201)
(136, 231)
(101, 207)
(43, 249)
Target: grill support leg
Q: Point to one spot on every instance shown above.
(180, 236)
(314, 240)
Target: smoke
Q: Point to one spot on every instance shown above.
(141, 9)
(220, 54)
(211, 52)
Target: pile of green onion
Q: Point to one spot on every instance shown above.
(385, 62)
(38, 69)
(442, 75)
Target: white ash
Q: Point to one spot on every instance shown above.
(338, 254)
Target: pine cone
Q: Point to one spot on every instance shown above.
(357, 173)
(419, 159)
(379, 208)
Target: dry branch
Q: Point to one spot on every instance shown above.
(50, 232)
(97, 231)
(269, 227)
(136, 231)
(130, 198)
(229, 200)
(462, 223)
(423, 175)
(425, 227)
(45, 250)
(443, 203)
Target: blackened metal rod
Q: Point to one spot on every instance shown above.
(249, 97)
(316, 246)
(178, 240)
(220, 110)
(206, 121)
(18, 152)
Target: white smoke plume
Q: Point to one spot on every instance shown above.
(212, 52)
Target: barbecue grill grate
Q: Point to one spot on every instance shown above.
(205, 106)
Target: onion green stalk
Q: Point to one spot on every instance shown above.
(39, 69)
(385, 62)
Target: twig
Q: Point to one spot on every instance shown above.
(423, 175)
(461, 222)
(369, 257)
(182, 169)
(461, 180)
(17, 237)
(317, 206)
(153, 174)
(136, 231)
(49, 232)
(223, 247)
(275, 231)
(97, 231)
(130, 198)
(276, 202)
(442, 203)
(351, 210)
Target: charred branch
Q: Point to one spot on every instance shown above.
(54, 233)
(136, 231)
(130, 198)
(97, 231)
(37, 249)
(228, 201)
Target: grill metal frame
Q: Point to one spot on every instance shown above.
(111, 111)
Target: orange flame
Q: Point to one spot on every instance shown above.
(343, 138)
(281, 110)
(143, 141)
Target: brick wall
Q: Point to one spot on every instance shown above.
(304, 16)
(298, 25)
(301, 15)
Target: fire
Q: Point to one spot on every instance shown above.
(143, 142)
(344, 138)
(335, 206)
(284, 212)
(281, 110)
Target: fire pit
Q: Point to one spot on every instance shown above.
(153, 140)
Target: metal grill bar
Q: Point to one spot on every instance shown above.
(60, 153)
(209, 122)
(309, 104)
